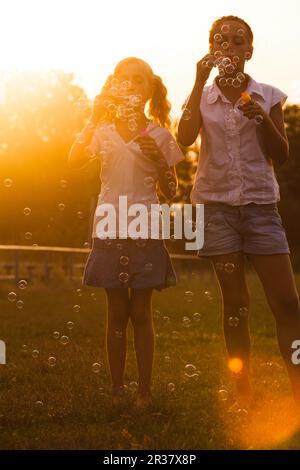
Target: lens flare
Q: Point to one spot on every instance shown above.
(235, 365)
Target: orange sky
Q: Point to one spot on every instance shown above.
(89, 36)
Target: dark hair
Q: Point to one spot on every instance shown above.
(228, 18)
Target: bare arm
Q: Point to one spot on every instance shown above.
(272, 130)
(79, 153)
(274, 134)
(167, 179)
(191, 121)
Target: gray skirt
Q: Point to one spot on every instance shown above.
(123, 263)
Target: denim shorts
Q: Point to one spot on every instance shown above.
(123, 263)
(251, 228)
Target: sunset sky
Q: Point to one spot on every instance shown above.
(88, 37)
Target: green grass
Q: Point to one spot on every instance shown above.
(76, 412)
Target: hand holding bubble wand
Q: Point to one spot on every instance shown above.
(251, 109)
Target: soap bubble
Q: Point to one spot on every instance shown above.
(35, 353)
(243, 311)
(56, 334)
(223, 82)
(61, 206)
(175, 334)
(229, 69)
(76, 308)
(186, 114)
(210, 63)
(186, 322)
(22, 284)
(133, 386)
(259, 119)
(12, 296)
(27, 211)
(124, 277)
(96, 367)
(218, 37)
(80, 215)
(148, 267)
(124, 260)
(189, 295)
(20, 304)
(64, 340)
(241, 77)
(229, 81)
(190, 370)
(225, 61)
(8, 182)
(208, 295)
(240, 32)
(79, 292)
(225, 45)
(132, 125)
(25, 348)
(235, 59)
(242, 415)
(197, 316)
(70, 325)
(39, 404)
(225, 29)
(229, 267)
(171, 387)
(247, 55)
(28, 235)
(63, 183)
(119, 334)
(233, 321)
(223, 394)
(218, 54)
(51, 361)
(236, 83)
(219, 266)
(149, 182)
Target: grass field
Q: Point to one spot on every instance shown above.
(67, 406)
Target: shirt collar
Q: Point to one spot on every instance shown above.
(253, 88)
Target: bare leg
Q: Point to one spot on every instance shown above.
(116, 334)
(230, 271)
(141, 318)
(276, 275)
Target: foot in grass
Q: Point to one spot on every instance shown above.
(143, 401)
(118, 398)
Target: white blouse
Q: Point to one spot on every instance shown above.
(126, 171)
(233, 165)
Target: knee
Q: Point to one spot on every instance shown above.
(118, 318)
(140, 319)
(236, 304)
(286, 308)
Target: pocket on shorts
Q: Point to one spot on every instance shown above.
(212, 217)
